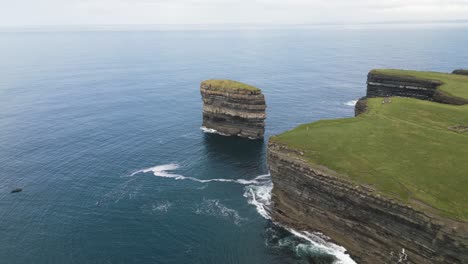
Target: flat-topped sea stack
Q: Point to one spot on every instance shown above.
(233, 108)
(390, 185)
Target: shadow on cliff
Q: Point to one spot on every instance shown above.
(241, 152)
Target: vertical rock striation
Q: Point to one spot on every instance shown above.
(233, 108)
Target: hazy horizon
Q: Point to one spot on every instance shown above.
(26, 13)
(236, 26)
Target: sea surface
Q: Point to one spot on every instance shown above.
(101, 129)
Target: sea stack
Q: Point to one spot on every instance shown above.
(233, 108)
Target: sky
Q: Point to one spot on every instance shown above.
(276, 12)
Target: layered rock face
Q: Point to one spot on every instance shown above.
(372, 228)
(361, 106)
(383, 85)
(233, 111)
(460, 72)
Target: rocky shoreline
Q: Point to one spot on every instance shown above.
(233, 112)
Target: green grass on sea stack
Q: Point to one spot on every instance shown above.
(229, 85)
(405, 149)
(453, 84)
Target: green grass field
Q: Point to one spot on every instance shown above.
(229, 85)
(453, 84)
(405, 149)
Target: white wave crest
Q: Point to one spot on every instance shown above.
(208, 130)
(351, 103)
(321, 243)
(212, 131)
(259, 195)
(162, 171)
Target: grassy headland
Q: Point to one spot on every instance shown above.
(229, 85)
(412, 150)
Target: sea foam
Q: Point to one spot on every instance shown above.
(351, 103)
(163, 171)
(258, 193)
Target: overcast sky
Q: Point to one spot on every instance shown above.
(128, 12)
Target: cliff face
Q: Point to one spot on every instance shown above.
(234, 112)
(383, 85)
(372, 228)
(460, 72)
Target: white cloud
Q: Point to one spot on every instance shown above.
(86, 12)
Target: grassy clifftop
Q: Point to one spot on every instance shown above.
(409, 149)
(452, 84)
(229, 85)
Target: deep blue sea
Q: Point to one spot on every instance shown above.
(101, 129)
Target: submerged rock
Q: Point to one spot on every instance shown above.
(17, 190)
(232, 108)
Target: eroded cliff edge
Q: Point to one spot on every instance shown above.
(233, 108)
(413, 84)
(391, 218)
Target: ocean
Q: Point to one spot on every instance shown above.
(101, 129)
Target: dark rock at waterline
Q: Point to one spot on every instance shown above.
(17, 190)
(321, 259)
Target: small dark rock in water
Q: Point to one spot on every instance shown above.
(16, 190)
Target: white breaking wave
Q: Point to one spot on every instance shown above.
(162, 171)
(351, 103)
(208, 130)
(259, 195)
(212, 131)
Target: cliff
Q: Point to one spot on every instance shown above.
(390, 184)
(233, 108)
(372, 228)
(460, 72)
(432, 86)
